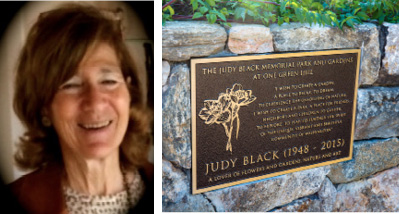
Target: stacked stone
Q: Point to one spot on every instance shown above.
(368, 182)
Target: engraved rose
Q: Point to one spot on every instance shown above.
(225, 109)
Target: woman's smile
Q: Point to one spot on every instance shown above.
(95, 125)
(96, 134)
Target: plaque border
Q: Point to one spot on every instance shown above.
(195, 190)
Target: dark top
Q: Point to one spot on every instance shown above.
(41, 192)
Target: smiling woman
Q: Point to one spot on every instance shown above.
(78, 94)
(90, 111)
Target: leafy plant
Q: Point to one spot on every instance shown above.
(337, 13)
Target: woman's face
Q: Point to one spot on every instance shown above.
(90, 111)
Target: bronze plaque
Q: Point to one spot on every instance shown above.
(255, 117)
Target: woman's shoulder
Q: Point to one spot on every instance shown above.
(44, 176)
(25, 182)
(39, 189)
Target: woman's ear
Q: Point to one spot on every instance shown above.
(46, 121)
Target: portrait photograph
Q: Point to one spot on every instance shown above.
(77, 107)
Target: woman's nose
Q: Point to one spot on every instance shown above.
(93, 99)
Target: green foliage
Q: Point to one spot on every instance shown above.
(167, 14)
(337, 13)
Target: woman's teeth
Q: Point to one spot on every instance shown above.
(96, 125)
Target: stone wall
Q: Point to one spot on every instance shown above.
(368, 182)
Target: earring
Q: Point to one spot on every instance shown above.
(46, 121)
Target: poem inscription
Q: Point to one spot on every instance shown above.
(261, 116)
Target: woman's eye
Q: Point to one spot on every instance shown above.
(73, 84)
(70, 86)
(109, 82)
